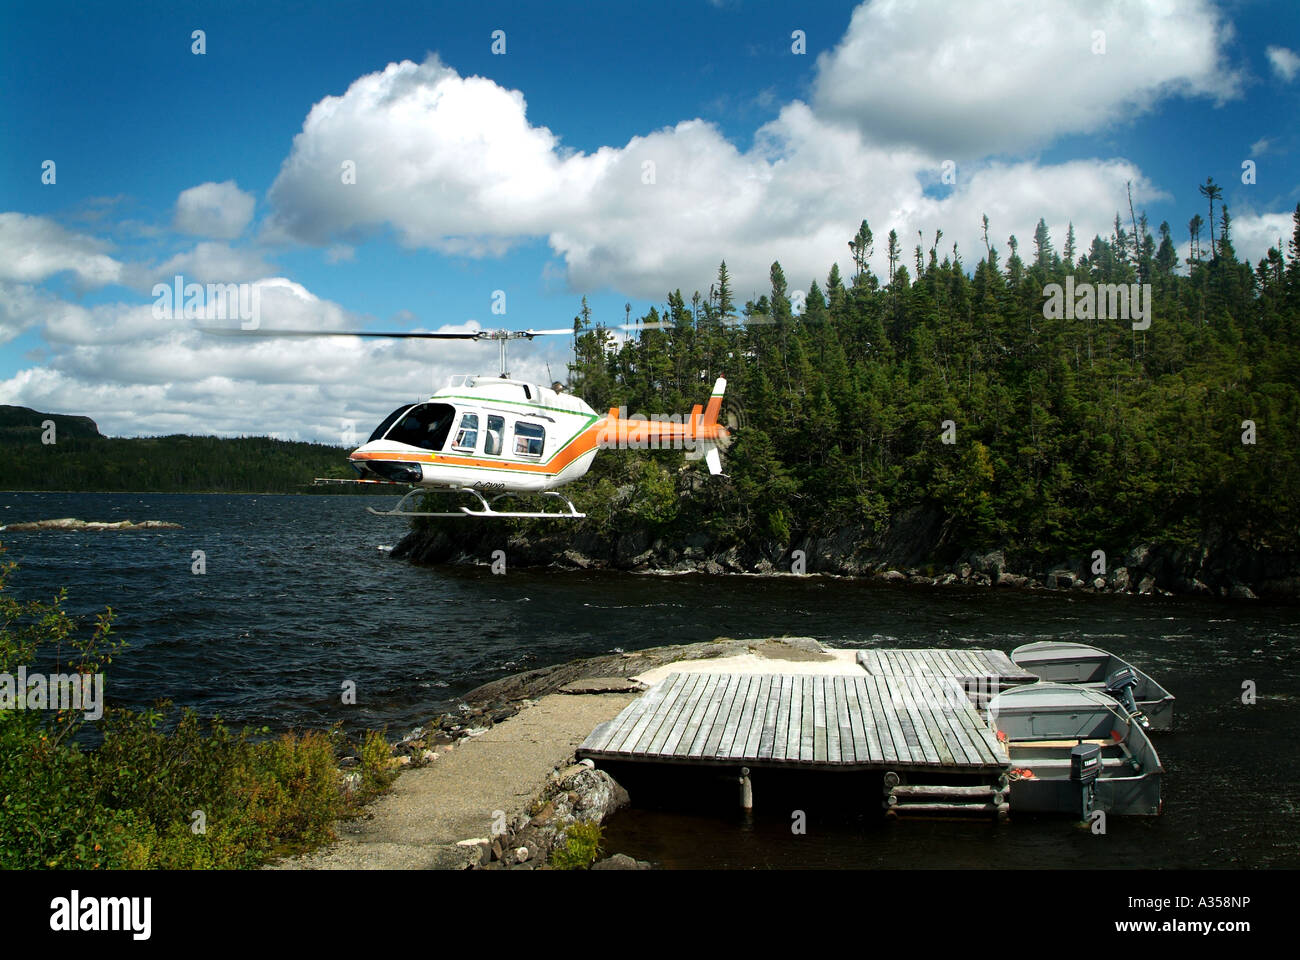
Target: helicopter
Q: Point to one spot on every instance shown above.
(495, 438)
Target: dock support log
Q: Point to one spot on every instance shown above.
(746, 791)
(984, 800)
(942, 793)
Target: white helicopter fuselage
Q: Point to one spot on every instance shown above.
(489, 434)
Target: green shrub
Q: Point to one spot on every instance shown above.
(579, 848)
(376, 771)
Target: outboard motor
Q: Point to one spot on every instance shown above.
(1085, 766)
(1120, 685)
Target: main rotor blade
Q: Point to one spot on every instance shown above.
(267, 332)
(729, 322)
(273, 332)
(726, 322)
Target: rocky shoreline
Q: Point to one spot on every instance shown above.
(915, 549)
(574, 792)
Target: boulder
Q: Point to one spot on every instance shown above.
(1059, 578)
(620, 861)
(573, 558)
(992, 564)
(1139, 556)
(603, 685)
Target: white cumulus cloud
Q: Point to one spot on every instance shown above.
(452, 164)
(138, 374)
(998, 76)
(1284, 62)
(33, 248)
(218, 210)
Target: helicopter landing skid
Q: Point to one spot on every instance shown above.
(487, 507)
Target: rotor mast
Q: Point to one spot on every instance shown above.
(503, 338)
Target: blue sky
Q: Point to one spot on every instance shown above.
(793, 150)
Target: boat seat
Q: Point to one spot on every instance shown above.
(1063, 763)
(1059, 743)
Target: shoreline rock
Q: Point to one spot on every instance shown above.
(73, 524)
(913, 550)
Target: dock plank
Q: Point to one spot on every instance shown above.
(807, 734)
(763, 719)
(682, 742)
(932, 741)
(853, 745)
(875, 750)
(724, 715)
(616, 732)
(918, 739)
(683, 714)
(794, 729)
(648, 704)
(820, 740)
(971, 723)
(710, 717)
(950, 711)
(781, 729)
(889, 720)
(744, 719)
(834, 749)
(657, 731)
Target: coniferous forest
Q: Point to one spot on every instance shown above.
(1066, 435)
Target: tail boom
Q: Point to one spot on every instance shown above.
(700, 434)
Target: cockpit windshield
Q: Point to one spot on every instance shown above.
(388, 422)
(424, 425)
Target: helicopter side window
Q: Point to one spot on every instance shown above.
(529, 439)
(424, 425)
(467, 432)
(496, 431)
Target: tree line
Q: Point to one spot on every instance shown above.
(173, 464)
(1062, 433)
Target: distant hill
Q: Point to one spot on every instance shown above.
(22, 425)
(82, 459)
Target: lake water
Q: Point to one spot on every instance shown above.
(298, 599)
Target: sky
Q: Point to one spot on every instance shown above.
(452, 166)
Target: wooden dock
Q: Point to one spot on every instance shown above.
(901, 723)
(983, 674)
